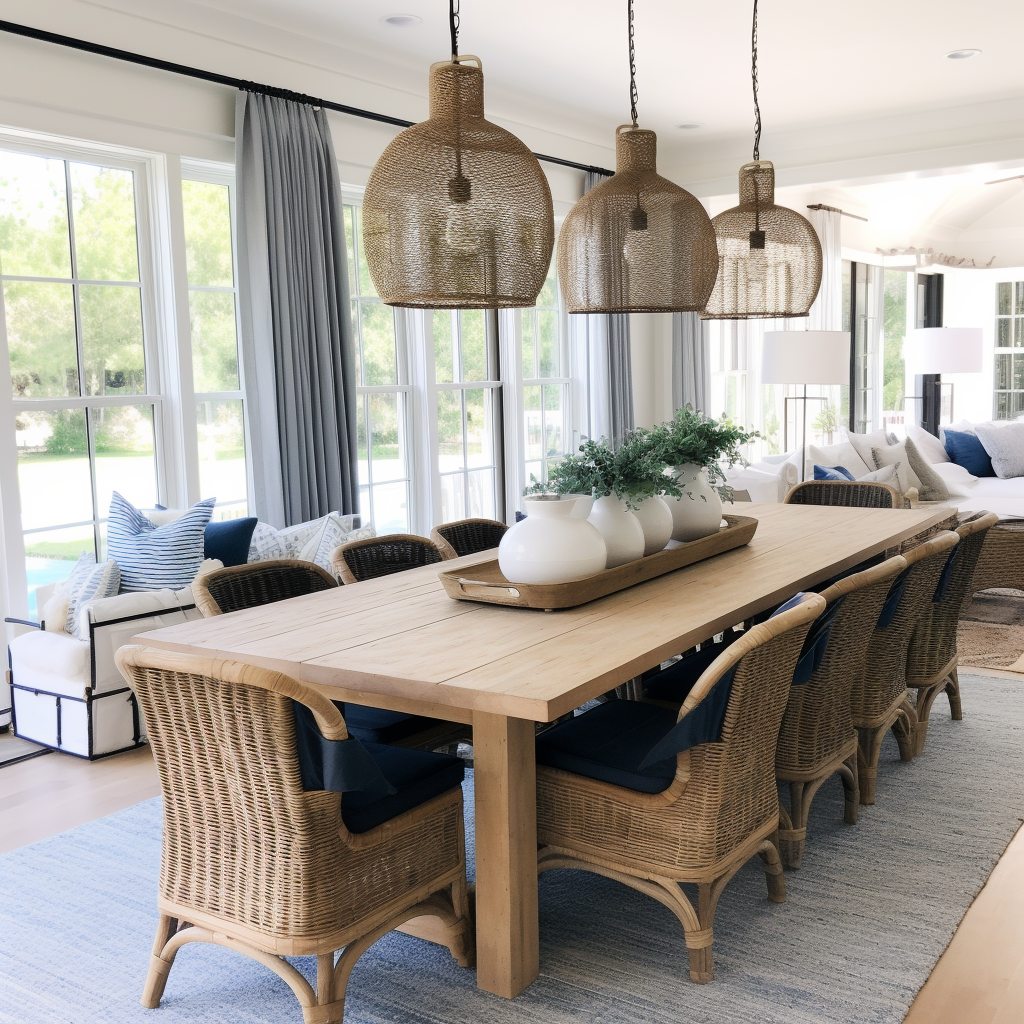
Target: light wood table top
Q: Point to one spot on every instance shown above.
(400, 639)
(401, 643)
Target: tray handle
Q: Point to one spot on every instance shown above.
(487, 588)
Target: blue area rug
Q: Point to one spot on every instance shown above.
(867, 917)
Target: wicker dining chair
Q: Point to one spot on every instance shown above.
(367, 559)
(257, 583)
(255, 862)
(848, 493)
(879, 700)
(817, 737)
(467, 536)
(1001, 564)
(694, 817)
(932, 654)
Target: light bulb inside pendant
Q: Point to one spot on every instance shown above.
(460, 230)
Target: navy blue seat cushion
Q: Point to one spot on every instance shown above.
(610, 742)
(832, 473)
(229, 540)
(376, 725)
(966, 450)
(675, 682)
(416, 776)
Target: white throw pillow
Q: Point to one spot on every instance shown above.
(896, 455)
(1004, 442)
(54, 614)
(312, 542)
(957, 480)
(928, 445)
(863, 443)
(845, 455)
(886, 475)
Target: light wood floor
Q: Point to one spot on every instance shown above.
(978, 980)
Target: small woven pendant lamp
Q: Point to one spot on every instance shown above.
(457, 212)
(769, 256)
(636, 243)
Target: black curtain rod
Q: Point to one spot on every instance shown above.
(235, 83)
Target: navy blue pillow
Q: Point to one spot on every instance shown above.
(229, 540)
(832, 473)
(967, 450)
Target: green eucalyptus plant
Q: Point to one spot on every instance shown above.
(691, 437)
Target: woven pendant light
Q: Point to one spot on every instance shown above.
(769, 256)
(636, 243)
(457, 212)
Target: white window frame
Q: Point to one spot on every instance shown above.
(1015, 320)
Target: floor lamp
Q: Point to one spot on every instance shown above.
(804, 357)
(939, 350)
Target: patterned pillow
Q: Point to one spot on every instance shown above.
(311, 542)
(831, 473)
(154, 557)
(89, 582)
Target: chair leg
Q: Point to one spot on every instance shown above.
(159, 966)
(851, 786)
(769, 854)
(869, 744)
(904, 728)
(793, 827)
(925, 699)
(698, 943)
(956, 711)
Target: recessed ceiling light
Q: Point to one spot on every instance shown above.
(690, 124)
(401, 20)
(962, 54)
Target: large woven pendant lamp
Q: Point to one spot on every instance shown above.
(457, 212)
(636, 243)
(769, 256)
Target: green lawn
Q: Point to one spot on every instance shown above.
(67, 550)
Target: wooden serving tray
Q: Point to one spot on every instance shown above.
(490, 586)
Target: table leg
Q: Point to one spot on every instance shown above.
(506, 854)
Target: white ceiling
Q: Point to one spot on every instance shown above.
(819, 61)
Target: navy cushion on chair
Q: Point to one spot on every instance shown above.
(376, 725)
(416, 776)
(675, 682)
(609, 742)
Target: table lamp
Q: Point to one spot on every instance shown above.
(804, 357)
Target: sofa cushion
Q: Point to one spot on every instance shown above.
(896, 456)
(54, 662)
(831, 473)
(958, 481)
(966, 449)
(228, 540)
(885, 475)
(930, 447)
(1004, 443)
(154, 557)
(930, 486)
(87, 582)
(839, 455)
(863, 443)
(311, 542)
(416, 777)
(609, 743)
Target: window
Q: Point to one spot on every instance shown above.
(547, 428)
(894, 333)
(1008, 399)
(467, 393)
(213, 321)
(82, 372)
(382, 396)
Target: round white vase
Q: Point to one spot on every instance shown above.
(583, 506)
(698, 513)
(655, 518)
(550, 546)
(621, 530)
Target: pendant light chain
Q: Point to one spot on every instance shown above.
(632, 68)
(453, 26)
(753, 78)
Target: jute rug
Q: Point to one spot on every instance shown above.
(991, 631)
(867, 917)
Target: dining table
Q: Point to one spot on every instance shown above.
(399, 642)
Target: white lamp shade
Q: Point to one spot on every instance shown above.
(806, 357)
(945, 349)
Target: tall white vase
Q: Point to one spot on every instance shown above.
(621, 530)
(698, 513)
(656, 521)
(550, 545)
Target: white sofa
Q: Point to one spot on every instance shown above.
(66, 692)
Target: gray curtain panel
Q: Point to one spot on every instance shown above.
(609, 370)
(297, 345)
(691, 380)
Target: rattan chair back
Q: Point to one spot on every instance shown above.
(884, 680)
(847, 493)
(367, 559)
(253, 861)
(467, 536)
(932, 648)
(257, 583)
(817, 727)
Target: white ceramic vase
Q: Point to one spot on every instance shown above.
(698, 513)
(620, 528)
(583, 506)
(550, 545)
(656, 521)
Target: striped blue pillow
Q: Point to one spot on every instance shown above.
(89, 582)
(153, 557)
